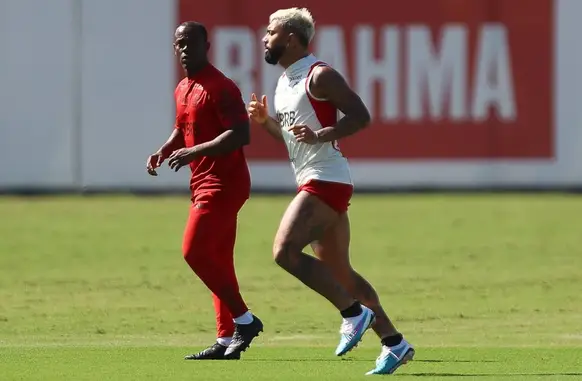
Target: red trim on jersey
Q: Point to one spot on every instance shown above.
(325, 112)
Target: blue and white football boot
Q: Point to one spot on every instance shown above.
(353, 329)
(393, 357)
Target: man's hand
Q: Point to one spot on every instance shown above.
(153, 162)
(304, 134)
(181, 157)
(258, 110)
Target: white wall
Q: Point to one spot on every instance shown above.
(128, 84)
(86, 94)
(37, 93)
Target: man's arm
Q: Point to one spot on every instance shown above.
(258, 111)
(228, 141)
(176, 139)
(234, 120)
(174, 142)
(273, 128)
(326, 83)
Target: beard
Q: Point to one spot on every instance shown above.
(273, 55)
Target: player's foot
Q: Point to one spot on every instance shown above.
(392, 357)
(213, 352)
(243, 336)
(353, 329)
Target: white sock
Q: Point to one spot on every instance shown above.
(353, 320)
(398, 346)
(246, 318)
(224, 341)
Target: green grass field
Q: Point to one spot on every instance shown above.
(485, 286)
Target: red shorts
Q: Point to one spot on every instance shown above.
(336, 195)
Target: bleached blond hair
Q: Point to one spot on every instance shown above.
(298, 20)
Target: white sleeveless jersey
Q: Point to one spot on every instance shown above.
(295, 105)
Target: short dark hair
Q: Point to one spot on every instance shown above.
(195, 27)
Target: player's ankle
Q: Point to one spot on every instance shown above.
(392, 340)
(224, 341)
(352, 311)
(246, 318)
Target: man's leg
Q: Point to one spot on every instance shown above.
(224, 319)
(224, 322)
(204, 252)
(242, 329)
(305, 220)
(333, 250)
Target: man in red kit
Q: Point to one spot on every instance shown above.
(212, 126)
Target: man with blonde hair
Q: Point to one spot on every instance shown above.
(307, 99)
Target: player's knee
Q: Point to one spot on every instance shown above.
(279, 254)
(193, 260)
(284, 254)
